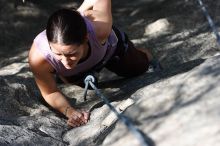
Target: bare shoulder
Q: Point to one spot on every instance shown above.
(37, 62)
(42, 71)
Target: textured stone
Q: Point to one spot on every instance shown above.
(158, 27)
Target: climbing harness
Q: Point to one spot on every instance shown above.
(210, 21)
(89, 80)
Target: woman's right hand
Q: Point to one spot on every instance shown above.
(77, 118)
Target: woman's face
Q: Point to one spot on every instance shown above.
(69, 55)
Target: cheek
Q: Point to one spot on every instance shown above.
(75, 57)
(79, 55)
(58, 57)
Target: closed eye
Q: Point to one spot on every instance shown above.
(57, 54)
(66, 55)
(70, 55)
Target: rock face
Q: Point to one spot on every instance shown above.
(180, 110)
(178, 106)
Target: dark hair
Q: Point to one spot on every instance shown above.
(67, 27)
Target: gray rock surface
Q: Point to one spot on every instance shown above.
(180, 110)
(178, 106)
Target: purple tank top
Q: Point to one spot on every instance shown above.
(98, 51)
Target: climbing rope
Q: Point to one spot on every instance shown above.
(210, 21)
(89, 80)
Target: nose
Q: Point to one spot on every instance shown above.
(65, 59)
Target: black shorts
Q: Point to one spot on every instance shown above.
(127, 61)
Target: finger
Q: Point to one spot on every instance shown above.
(74, 119)
(71, 124)
(74, 123)
(86, 115)
(82, 120)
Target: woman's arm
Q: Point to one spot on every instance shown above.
(99, 12)
(86, 5)
(46, 83)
